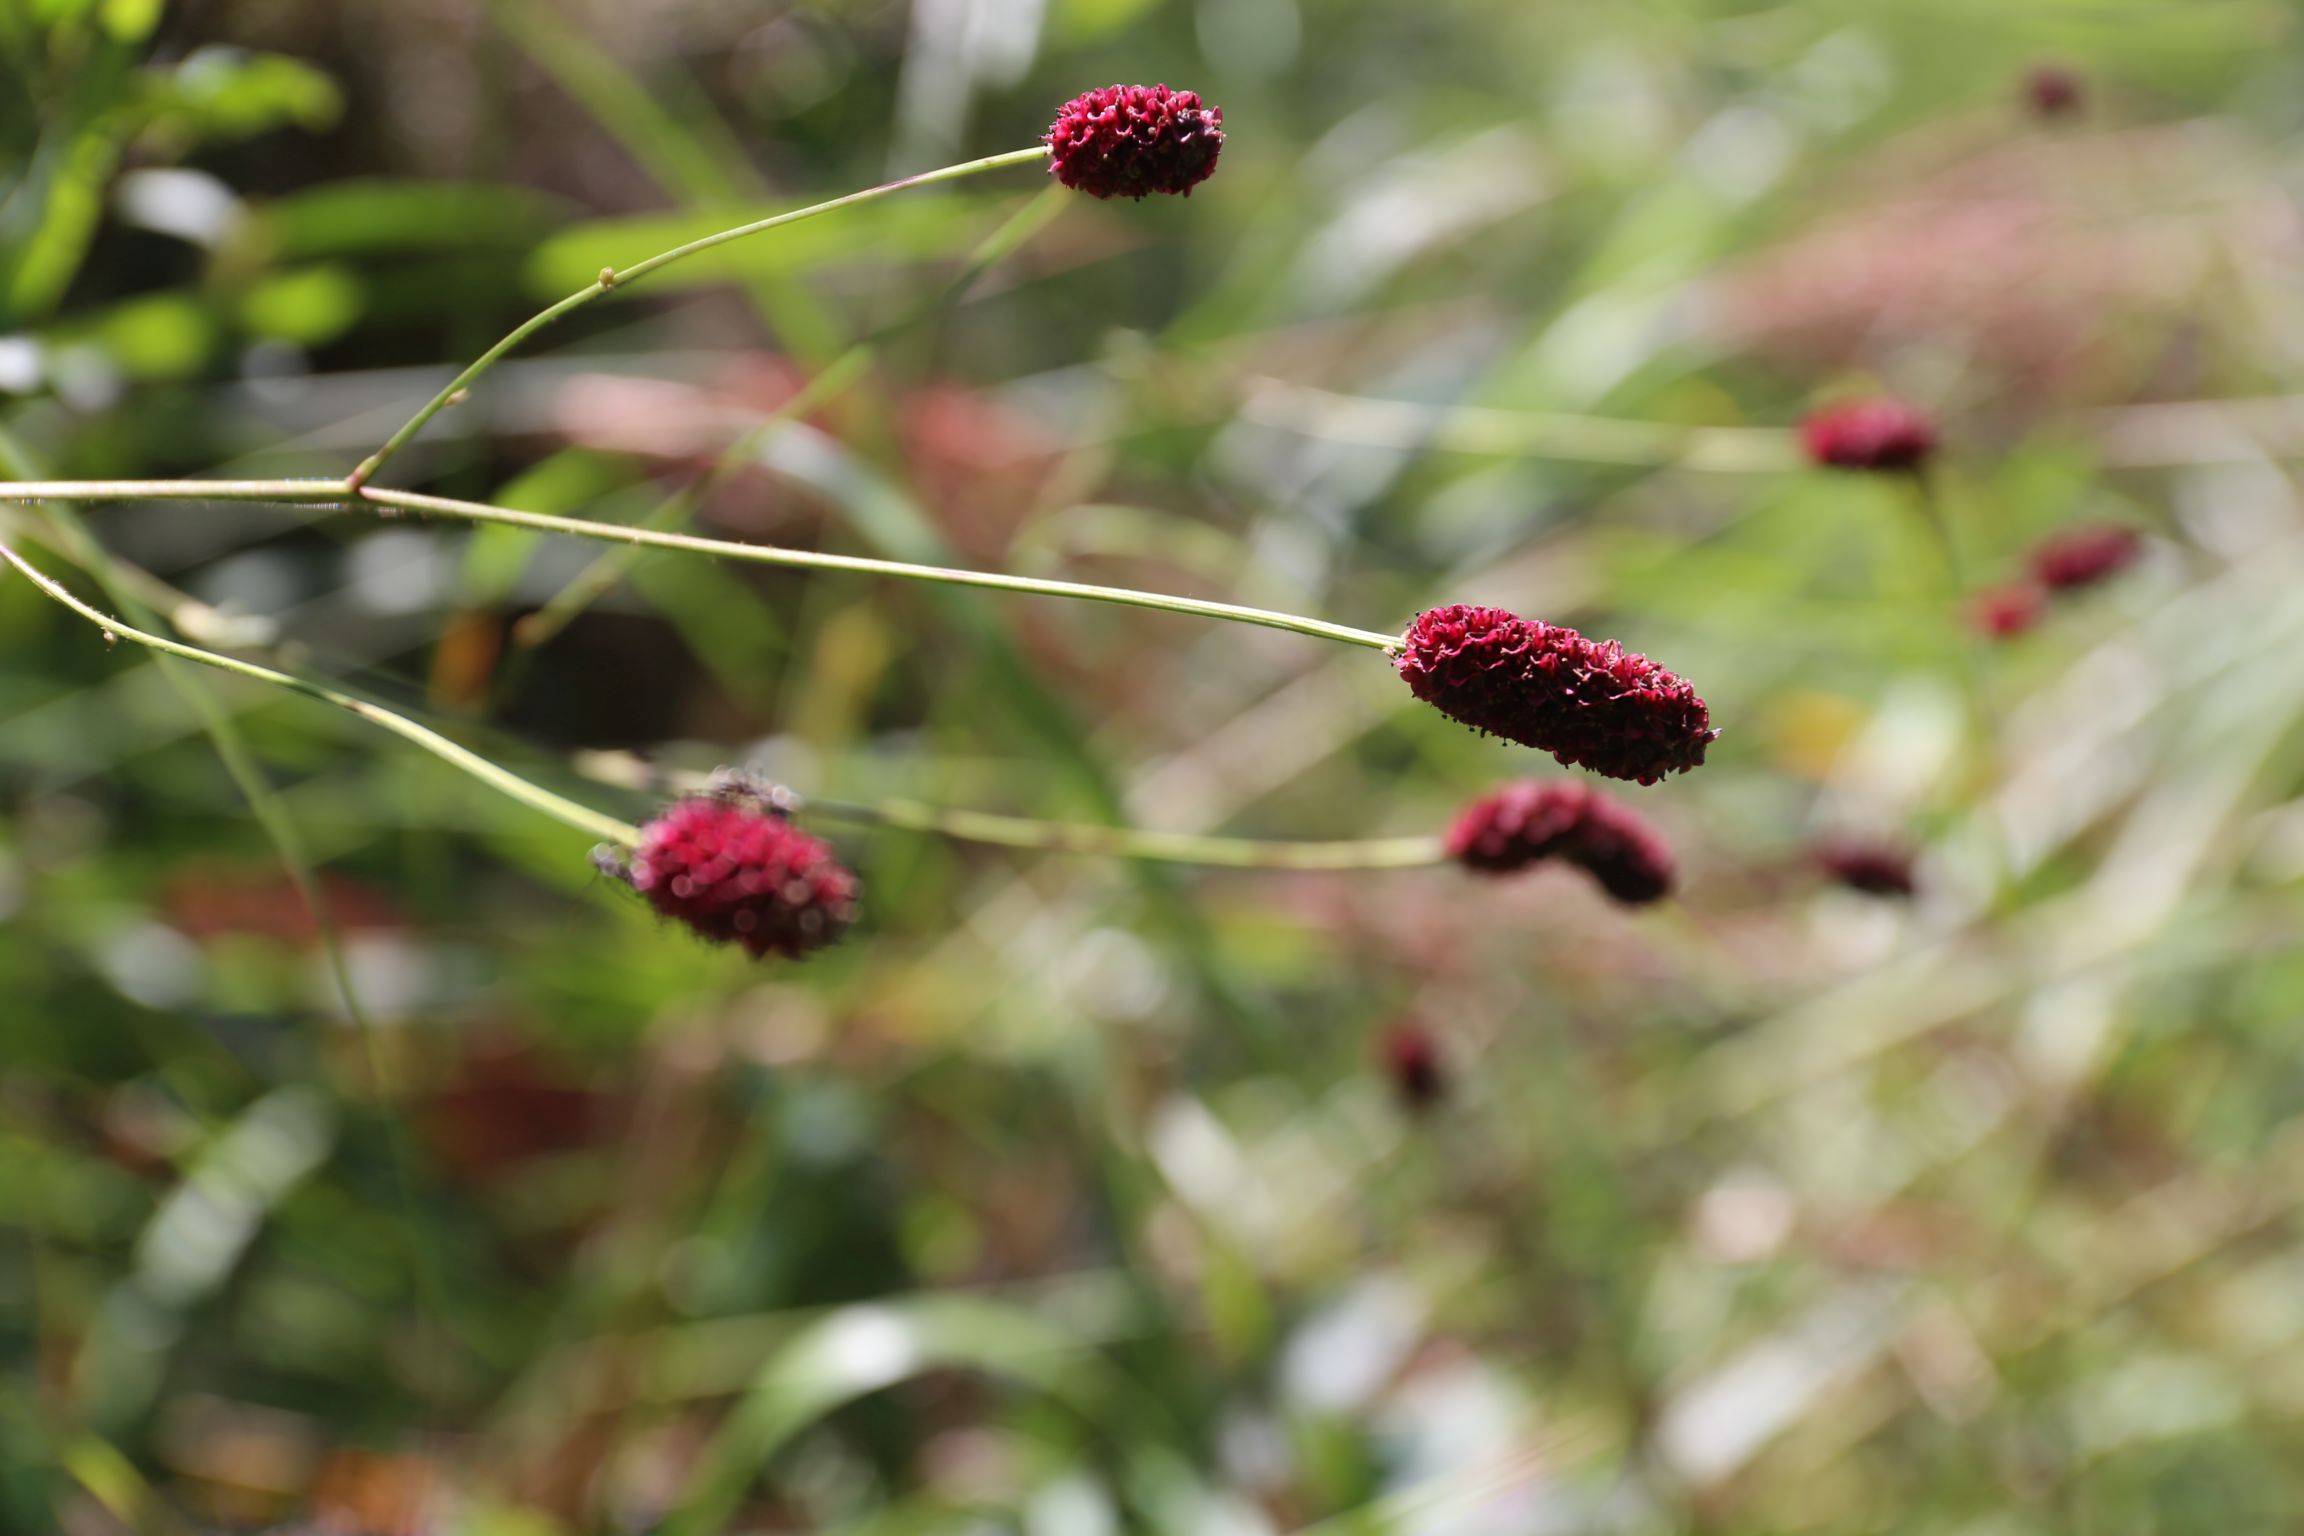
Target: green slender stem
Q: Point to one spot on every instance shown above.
(332, 492)
(1130, 842)
(611, 278)
(582, 818)
(625, 771)
(808, 559)
(277, 492)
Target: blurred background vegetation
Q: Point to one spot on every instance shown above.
(1071, 1197)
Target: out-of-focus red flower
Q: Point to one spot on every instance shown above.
(1527, 823)
(732, 867)
(1590, 703)
(1133, 140)
(1879, 435)
(1412, 1060)
(1874, 867)
(2008, 610)
(979, 462)
(207, 901)
(506, 1104)
(2054, 90)
(2082, 557)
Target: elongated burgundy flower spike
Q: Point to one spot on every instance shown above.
(2085, 556)
(732, 867)
(1879, 435)
(1870, 866)
(1134, 140)
(1527, 823)
(1590, 703)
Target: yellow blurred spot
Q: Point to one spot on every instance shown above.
(1807, 732)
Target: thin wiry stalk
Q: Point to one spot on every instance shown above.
(830, 381)
(1130, 842)
(610, 278)
(582, 818)
(331, 492)
(1098, 839)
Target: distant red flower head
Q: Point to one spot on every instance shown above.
(1881, 435)
(2083, 557)
(1872, 867)
(732, 866)
(1411, 1058)
(1133, 140)
(2054, 90)
(1526, 823)
(1590, 703)
(2004, 612)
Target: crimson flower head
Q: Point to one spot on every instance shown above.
(1529, 822)
(1133, 140)
(2085, 556)
(731, 866)
(1872, 867)
(1590, 703)
(1881, 435)
(1411, 1058)
(2004, 612)
(2054, 90)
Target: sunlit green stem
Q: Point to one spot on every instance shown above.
(331, 492)
(626, 771)
(582, 818)
(808, 559)
(611, 279)
(612, 565)
(1130, 842)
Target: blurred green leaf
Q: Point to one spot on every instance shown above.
(309, 307)
(931, 226)
(371, 216)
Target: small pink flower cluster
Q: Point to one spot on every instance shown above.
(1880, 435)
(731, 866)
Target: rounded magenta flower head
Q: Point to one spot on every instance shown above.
(1134, 140)
(1529, 822)
(1590, 703)
(2054, 90)
(1880, 435)
(2085, 556)
(731, 865)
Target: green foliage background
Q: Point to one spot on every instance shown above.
(1070, 1196)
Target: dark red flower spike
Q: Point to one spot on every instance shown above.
(1134, 140)
(2082, 557)
(1881, 436)
(1590, 703)
(1411, 1057)
(1528, 823)
(1870, 866)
